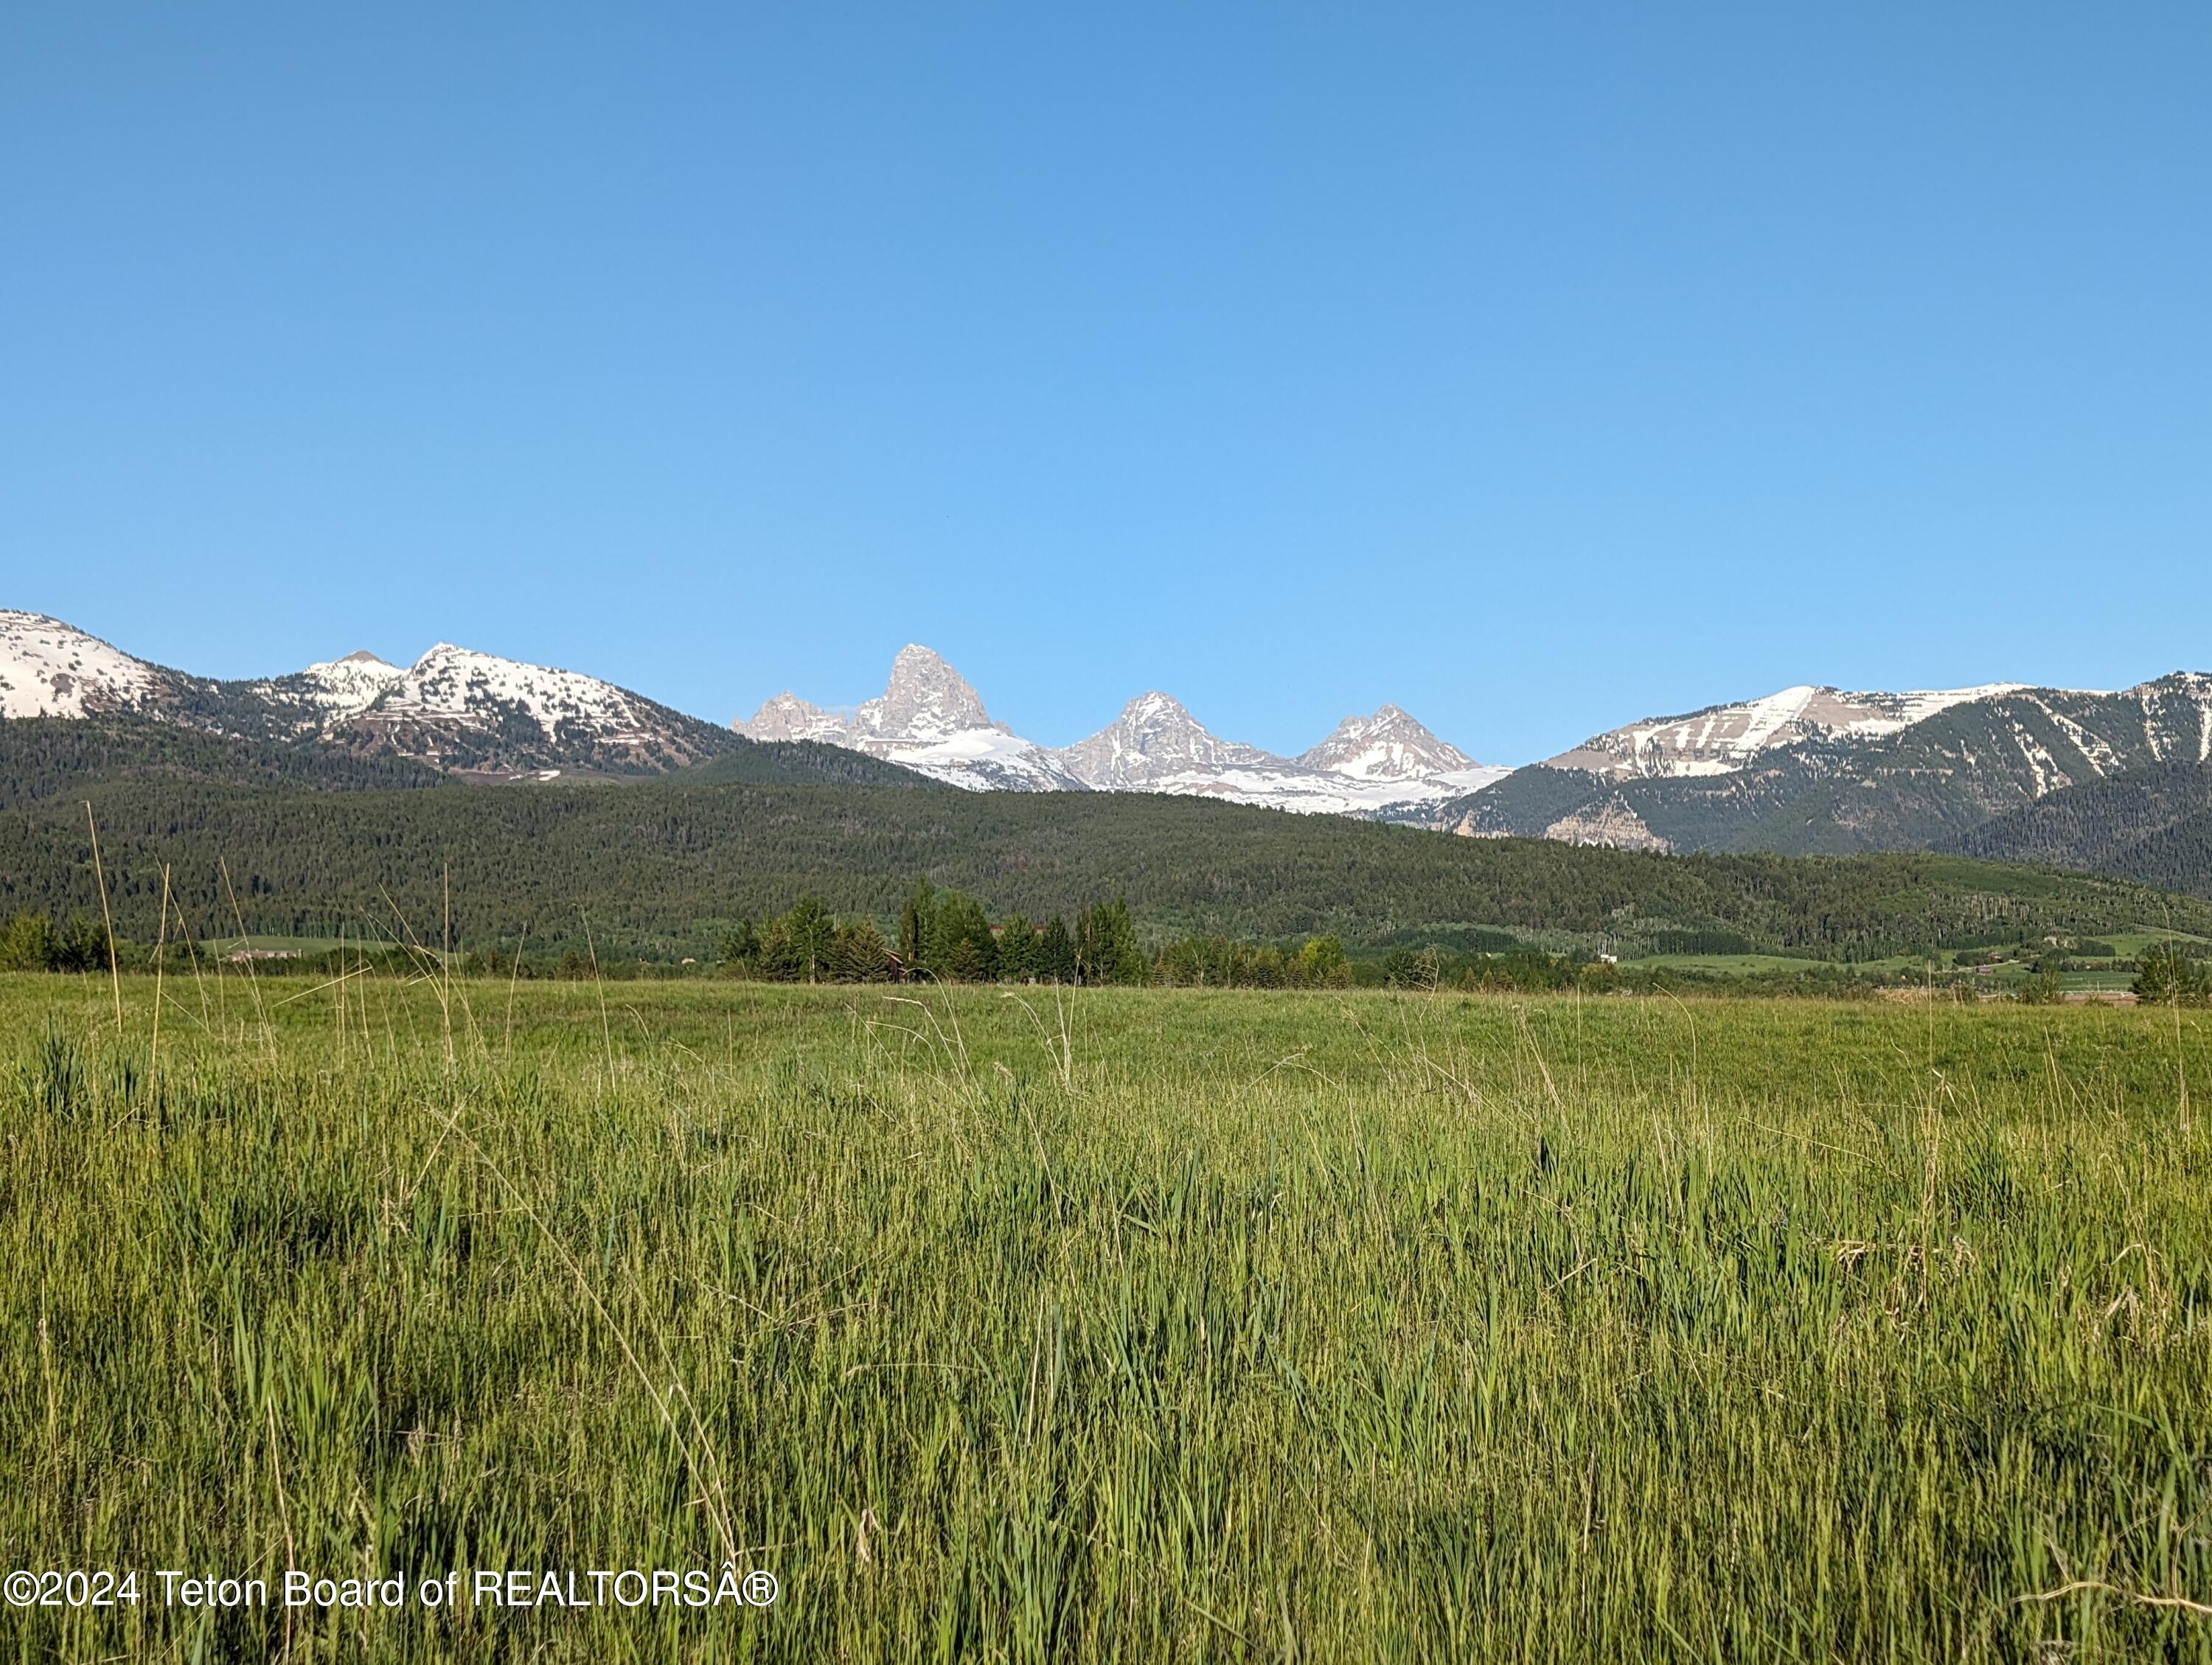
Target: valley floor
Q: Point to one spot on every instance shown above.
(1130, 1325)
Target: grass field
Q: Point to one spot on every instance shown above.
(1133, 1325)
(2129, 944)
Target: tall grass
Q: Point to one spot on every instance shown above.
(1136, 1326)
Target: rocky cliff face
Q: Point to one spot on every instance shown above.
(1153, 742)
(926, 701)
(1390, 745)
(787, 717)
(927, 718)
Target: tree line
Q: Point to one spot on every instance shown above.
(943, 936)
(663, 871)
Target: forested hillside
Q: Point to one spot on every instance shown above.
(800, 762)
(2153, 824)
(661, 869)
(43, 758)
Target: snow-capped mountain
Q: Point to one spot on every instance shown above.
(479, 714)
(50, 669)
(1156, 745)
(467, 711)
(927, 718)
(926, 701)
(342, 687)
(1807, 769)
(1390, 746)
(931, 719)
(305, 704)
(1722, 739)
(1812, 771)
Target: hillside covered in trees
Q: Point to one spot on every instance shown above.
(664, 870)
(2153, 824)
(43, 758)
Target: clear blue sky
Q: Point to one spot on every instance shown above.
(1536, 367)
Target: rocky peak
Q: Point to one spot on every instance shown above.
(1155, 736)
(926, 700)
(787, 717)
(1390, 745)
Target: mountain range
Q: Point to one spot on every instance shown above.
(1819, 771)
(2117, 782)
(463, 712)
(454, 713)
(930, 720)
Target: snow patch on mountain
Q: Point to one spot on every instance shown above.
(326, 693)
(1724, 738)
(2189, 691)
(480, 691)
(343, 686)
(50, 669)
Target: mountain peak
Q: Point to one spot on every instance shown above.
(1390, 745)
(50, 669)
(341, 687)
(925, 699)
(787, 717)
(1154, 739)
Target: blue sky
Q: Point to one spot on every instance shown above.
(1534, 367)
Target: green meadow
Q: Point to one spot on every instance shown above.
(1025, 1325)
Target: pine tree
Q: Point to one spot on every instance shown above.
(31, 944)
(741, 947)
(2165, 976)
(1017, 949)
(859, 955)
(811, 931)
(1106, 937)
(1055, 953)
(1086, 944)
(914, 927)
(959, 945)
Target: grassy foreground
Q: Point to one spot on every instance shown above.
(1133, 1325)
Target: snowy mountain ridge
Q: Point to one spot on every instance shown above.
(1809, 767)
(929, 719)
(50, 669)
(474, 713)
(1724, 738)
